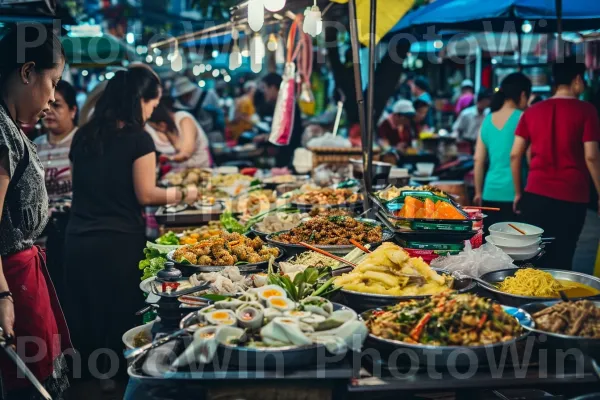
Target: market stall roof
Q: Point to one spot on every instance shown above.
(477, 15)
(98, 50)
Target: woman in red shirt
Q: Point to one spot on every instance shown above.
(562, 134)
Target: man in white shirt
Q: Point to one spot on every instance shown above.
(469, 121)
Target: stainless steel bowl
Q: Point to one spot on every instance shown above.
(557, 341)
(448, 355)
(364, 301)
(496, 277)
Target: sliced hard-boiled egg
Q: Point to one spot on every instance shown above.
(268, 291)
(221, 317)
(280, 303)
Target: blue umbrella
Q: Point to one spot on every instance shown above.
(478, 15)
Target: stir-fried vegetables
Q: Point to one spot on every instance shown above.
(445, 320)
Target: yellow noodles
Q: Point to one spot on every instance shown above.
(532, 282)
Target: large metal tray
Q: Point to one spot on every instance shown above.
(364, 301)
(188, 269)
(294, 249)
(495, 277)
(449, 355)
(588, 346)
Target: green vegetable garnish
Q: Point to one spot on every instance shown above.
(168, 238)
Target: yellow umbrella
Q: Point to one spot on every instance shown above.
(389, 13)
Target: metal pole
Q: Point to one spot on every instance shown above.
(368, 143)
(559, 42)
(358, 80)
(519, 51)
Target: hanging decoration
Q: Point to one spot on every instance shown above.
(283, 118)
(256, 14)
(313, 20)
(304, 60)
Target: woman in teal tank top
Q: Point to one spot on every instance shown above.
(494, 188)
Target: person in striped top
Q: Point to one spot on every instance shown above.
(53, 148)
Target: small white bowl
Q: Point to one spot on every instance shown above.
(514, 245)
(131, 334)
(425, 168)
(525, 256)
(502, 230)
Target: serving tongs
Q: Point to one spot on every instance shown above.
(133, 353)
(22, 367)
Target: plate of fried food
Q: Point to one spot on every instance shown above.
(389, 275)
(225, 249)
(326, 198)
(331, 233)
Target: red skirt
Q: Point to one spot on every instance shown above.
(40, 327)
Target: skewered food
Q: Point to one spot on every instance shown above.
(327, 196)
(226, 249)
(537, 283)
(389, 270)
(331, 231)
(579, 318)
(445, 320)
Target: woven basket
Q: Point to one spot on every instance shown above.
(337, 155)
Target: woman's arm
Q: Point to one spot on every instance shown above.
(186, 146)
(480, 159)
(592, 159)
(146, 191)
(7, 311)
(516, 159)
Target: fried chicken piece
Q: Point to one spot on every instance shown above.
(257, 243)
(201, 249)
(255, 258)
(232, 237)
(205, 260)
(241, 251)
(191, 257)
(269, 251)
(180, 252)
(217, 246)
(223, 258)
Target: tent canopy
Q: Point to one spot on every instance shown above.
(478, 15)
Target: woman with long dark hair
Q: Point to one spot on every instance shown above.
(28, 304)
(114, 177)
(494, 145)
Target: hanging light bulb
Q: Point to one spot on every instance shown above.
(274, 5)
(235, 58)
(256, 14)
(257, 48)
(280, 52)
(245, 49)
(256, 66)
(313, 20)
(272, 43)
(176, 61)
